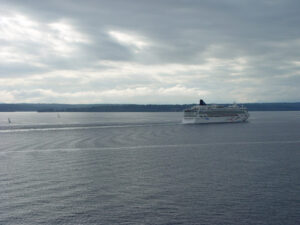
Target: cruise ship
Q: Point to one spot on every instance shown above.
(203, 113)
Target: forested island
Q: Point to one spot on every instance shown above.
(295, 106)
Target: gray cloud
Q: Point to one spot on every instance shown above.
(149, 51)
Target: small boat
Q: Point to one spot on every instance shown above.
(204, 113)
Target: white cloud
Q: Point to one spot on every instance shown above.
(28, 41)
(6, 97)
(17, 27)
(136, 42)
(141, 95)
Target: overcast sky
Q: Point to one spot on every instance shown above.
(142, 51)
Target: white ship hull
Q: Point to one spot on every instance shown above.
(224, 119)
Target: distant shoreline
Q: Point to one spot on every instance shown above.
(28, 107)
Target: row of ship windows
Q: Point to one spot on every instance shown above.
(211, 114)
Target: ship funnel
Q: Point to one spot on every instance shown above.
(202, 102)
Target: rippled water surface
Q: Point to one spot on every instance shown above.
(147, 168)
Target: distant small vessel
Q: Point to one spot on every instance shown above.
(8, 119)
(203, 113)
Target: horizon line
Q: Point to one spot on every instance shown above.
(45, 103)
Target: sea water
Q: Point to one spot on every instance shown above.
(148, 168)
